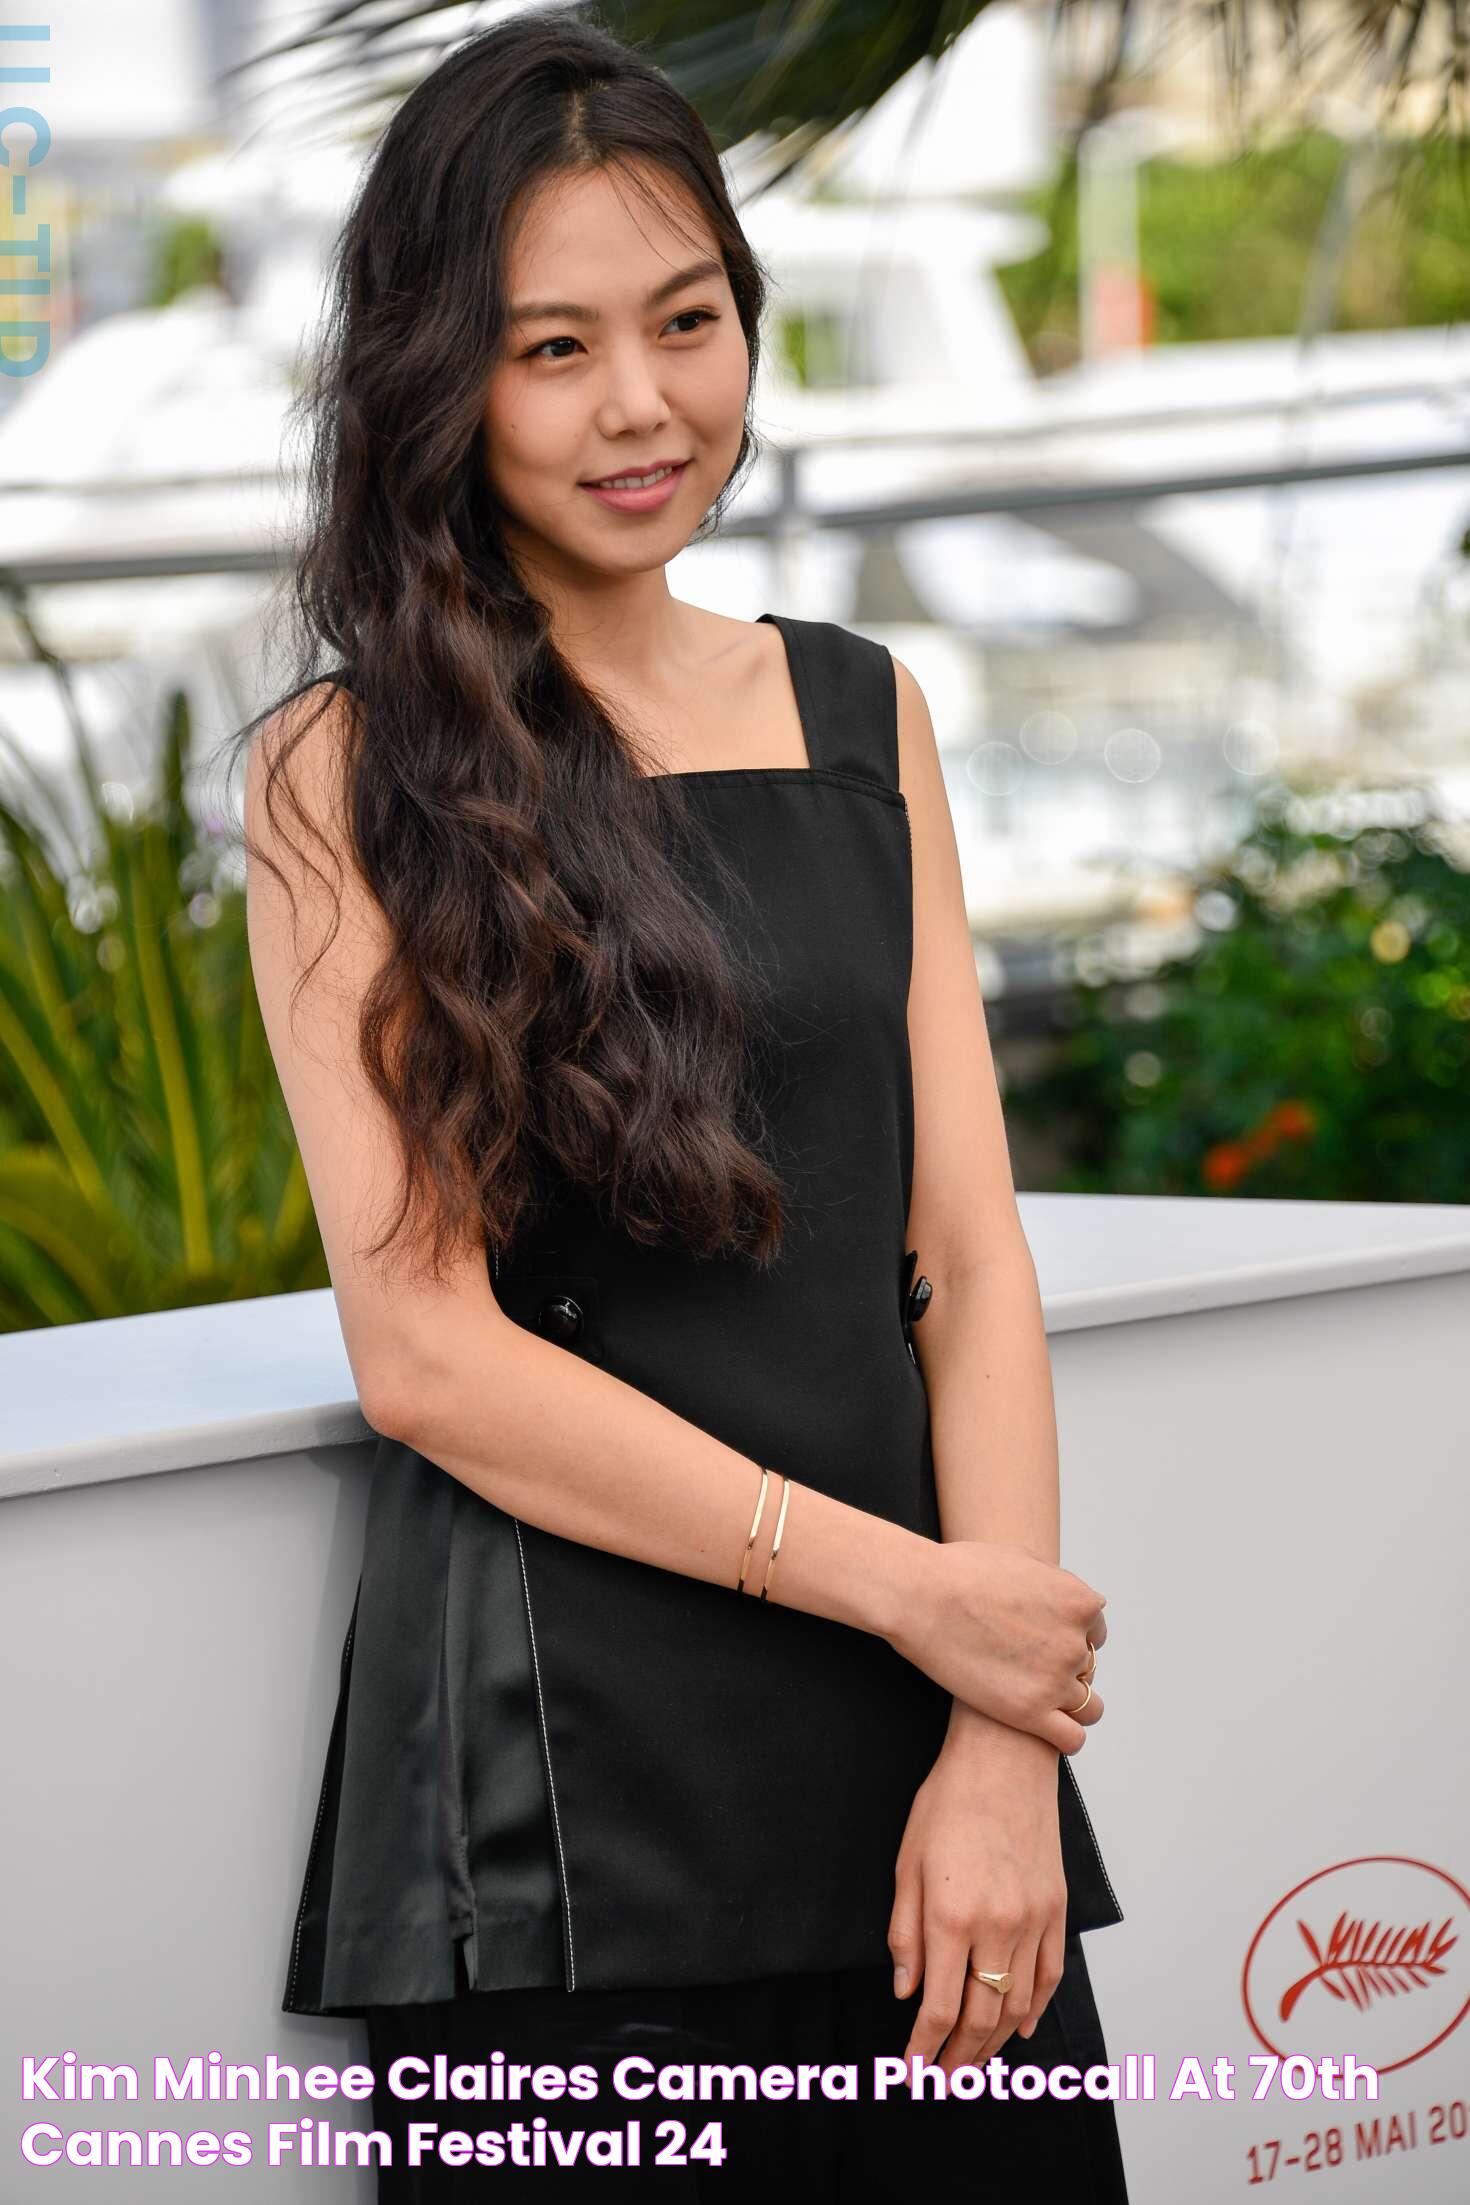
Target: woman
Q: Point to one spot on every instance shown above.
(716, 1703)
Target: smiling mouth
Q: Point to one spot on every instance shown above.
(635, 479)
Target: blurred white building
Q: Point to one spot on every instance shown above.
(1098, 670)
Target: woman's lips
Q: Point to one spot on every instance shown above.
(637, 501)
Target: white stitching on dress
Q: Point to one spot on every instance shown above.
(1102, 1864)
(321, 1808)
(566, 1902)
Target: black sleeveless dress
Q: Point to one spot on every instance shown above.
(553, 1765)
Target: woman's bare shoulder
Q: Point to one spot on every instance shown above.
(297, 758)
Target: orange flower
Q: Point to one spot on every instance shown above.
(1295, 1121)
(1225, 1164)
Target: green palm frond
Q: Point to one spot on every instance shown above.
(43, 1068)
(147, 1160)
(53, 1257)
(799, 70)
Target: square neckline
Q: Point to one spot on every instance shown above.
(729, 773)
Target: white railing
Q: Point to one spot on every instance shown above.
(1261, 1408)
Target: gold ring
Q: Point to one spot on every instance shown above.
(1001, 1983)
(1087, 1695)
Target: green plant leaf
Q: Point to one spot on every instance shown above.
(59, 1261)
(149, 1155)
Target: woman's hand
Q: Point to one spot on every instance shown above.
(979, 1879)
(1007, 1634)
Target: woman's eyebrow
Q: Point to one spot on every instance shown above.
(536, 310)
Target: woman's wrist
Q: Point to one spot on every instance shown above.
(897, 1587)
(838, 1561)
(971, 1731)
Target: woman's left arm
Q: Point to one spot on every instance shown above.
(980, 1869)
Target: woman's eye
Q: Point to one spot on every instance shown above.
(694, 314)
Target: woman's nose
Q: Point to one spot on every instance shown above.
(634, 394)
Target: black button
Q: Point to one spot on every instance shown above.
(560, 1318)
(919, 1299)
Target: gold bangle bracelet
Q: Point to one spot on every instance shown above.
(780, 1525)
(755, 1525)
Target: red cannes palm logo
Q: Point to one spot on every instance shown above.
(1365, 1957)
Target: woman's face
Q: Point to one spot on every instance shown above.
(617, 358)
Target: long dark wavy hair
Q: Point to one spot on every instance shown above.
(559, 1003)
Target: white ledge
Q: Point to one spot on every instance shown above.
(1104, 1259)
(231, 1381)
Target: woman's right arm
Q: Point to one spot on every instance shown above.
(546, 1435)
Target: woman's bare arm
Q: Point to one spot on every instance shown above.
(982, 1343)
(981, 1867)
(541, 1432)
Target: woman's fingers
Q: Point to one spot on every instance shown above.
(906, 1929)
(946, 1952)
(1061, 1731)
(1065, 1723)
(1066, 1727)
(1075, 1691)
(960, 2020)
(989, 2020)
(1074, 1710)
(1050, 1958)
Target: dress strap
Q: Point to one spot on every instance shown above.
(847, 696)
